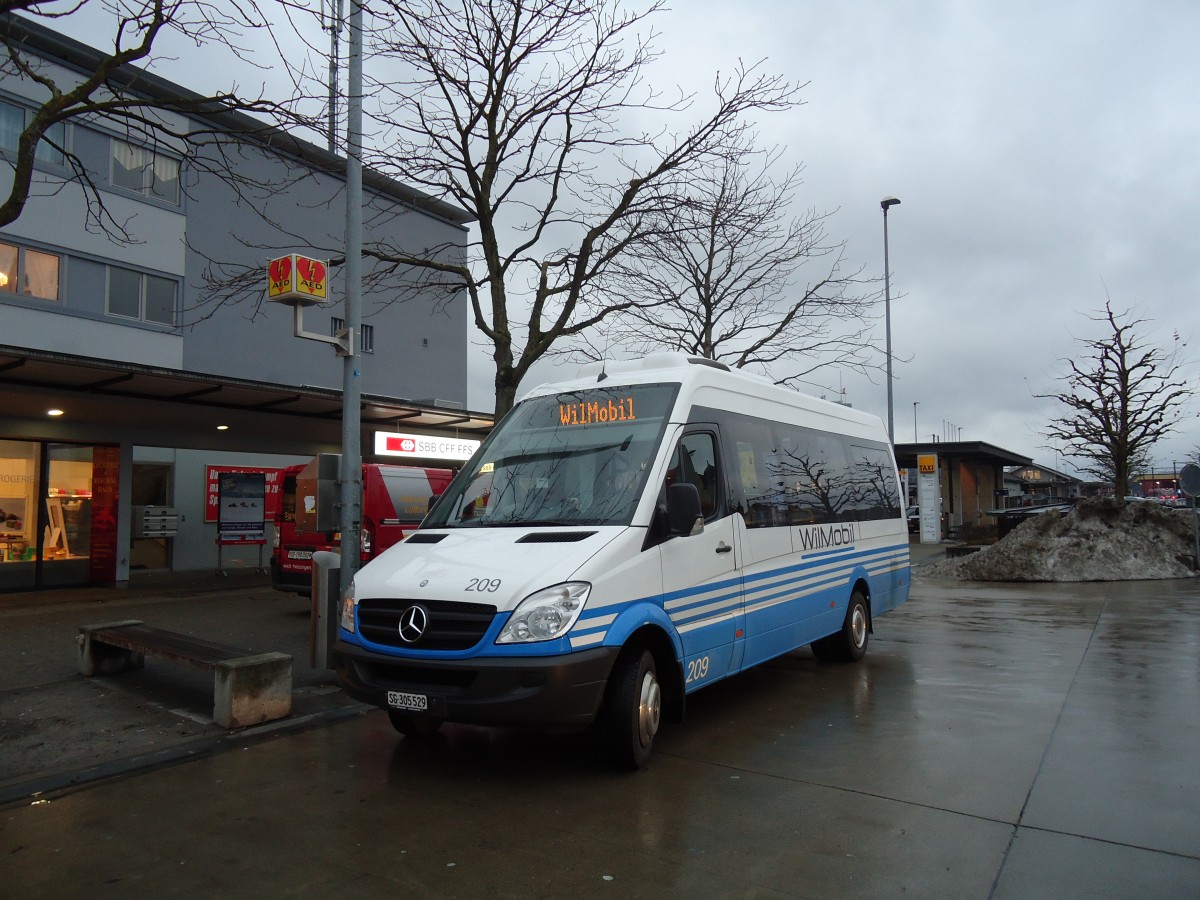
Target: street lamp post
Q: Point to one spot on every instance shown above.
(887, 313)
(915, 402)
(282, 287)
(351, 475)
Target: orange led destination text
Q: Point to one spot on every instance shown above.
(596, 412)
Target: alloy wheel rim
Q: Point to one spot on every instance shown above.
(858, 626)
(649, 708)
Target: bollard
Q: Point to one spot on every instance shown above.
(326, 570)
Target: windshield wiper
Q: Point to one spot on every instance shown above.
(518, 458)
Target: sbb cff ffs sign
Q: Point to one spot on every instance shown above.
(424, 445)
(297, 279)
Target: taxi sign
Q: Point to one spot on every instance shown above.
(296, 279)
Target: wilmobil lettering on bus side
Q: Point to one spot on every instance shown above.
(817, 537)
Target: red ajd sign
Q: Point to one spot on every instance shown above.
(296, 277)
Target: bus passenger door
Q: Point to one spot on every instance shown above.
(702, 585)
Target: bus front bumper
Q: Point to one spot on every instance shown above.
(551, 691)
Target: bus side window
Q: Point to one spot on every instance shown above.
(695, 462)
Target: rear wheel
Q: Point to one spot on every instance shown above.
(849, 644)
(414, 726)
(633, 709)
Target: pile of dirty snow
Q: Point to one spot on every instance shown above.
(1098, 540)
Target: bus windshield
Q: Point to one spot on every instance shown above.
(577, 458)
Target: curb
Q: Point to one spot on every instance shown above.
(45, 787)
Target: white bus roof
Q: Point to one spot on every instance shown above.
(703, 380)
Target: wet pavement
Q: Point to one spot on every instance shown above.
(998, 741)
(58, 728)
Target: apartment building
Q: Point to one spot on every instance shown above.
(128, 377)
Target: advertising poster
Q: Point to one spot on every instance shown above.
(12, 516)
(241, 505)
(212, 483)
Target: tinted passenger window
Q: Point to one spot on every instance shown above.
(783, 474)
(873, 490)
(756, 472)
(695, 462)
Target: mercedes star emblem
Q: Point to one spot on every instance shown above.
(413, 622)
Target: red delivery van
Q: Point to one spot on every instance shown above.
(395, 500)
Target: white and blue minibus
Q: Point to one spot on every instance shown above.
(623, 539)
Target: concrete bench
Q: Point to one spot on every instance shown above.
(248, 688)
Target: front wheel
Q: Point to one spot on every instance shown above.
(414, 726)
(849, 644)
(633, 710)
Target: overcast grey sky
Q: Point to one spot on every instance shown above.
(1044, 154)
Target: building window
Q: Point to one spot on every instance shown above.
(366, 334)
(30, 273)
(12, 123)
(143, 171)
(160, 300)
(39, 275)
(136, 295)
(13, 120)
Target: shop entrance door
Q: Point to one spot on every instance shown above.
(67, 534)
(151, 486)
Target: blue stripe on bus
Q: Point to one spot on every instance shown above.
(808, 573)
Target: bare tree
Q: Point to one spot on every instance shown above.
(720, 277)
(516, 112)
(1121, 397)
(112, 89)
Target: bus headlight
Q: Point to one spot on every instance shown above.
(348, 605)
(545, 615)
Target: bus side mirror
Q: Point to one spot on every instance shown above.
(683, 510)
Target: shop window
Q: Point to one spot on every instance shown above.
(137, 295)
(68, 502)
(20, 466)
(58, 514)
(143, 171)
(18, 490)
(31, 273)
(13, 120)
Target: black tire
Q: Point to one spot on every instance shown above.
(414, 726)
(849, 644)
(633, 709)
